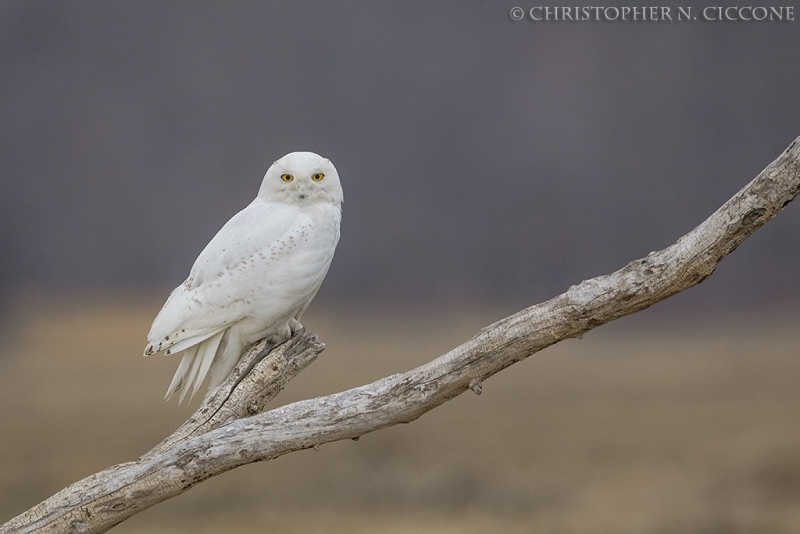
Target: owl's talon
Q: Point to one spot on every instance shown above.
(294, 325)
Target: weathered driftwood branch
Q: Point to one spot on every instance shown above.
(232, 438)
(257, 378)
(260, 375)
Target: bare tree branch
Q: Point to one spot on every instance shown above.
(260, 375)
(224, 434)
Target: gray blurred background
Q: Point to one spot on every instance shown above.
(482, 159)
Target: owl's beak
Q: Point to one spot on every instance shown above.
(303, 192)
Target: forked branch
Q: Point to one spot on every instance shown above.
(229, 429)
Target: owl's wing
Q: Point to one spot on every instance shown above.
(218, 291)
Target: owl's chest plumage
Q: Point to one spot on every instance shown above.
(262, 268)
(290, 268)
(272, 258)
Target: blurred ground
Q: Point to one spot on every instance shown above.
(684, 426)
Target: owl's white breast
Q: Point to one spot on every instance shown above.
(286, 275)
(261, 269)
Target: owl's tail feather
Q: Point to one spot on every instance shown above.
(180, 374)
(193, 367)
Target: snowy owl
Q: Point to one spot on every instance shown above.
(257, 275)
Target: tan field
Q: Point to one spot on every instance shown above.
(686, 426)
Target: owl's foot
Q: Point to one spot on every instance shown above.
(284, 333)
(294, 325)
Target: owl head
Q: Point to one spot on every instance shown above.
(302, 178)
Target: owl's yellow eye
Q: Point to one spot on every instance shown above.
(287, 177)
(317, 176)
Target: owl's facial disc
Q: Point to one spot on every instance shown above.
(302, 178)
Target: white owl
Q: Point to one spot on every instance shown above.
(257, 275)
